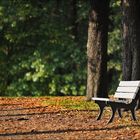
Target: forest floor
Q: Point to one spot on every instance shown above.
(61, 118)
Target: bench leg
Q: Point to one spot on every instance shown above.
(101, 106)
(133, 114)
(100, 114)
(113, 114)
(119, 112)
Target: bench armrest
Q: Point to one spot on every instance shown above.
(100, 99)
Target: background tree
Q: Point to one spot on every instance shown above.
(43, 47)
(39, 50)
(97, 49)
(114, 64)
(131, 41)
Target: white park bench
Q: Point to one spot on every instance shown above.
(126, 96)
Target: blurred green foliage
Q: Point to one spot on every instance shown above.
(39, 52)
(114, 46)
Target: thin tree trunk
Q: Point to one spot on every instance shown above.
(97, 49)
(127, 51)
(73, 15)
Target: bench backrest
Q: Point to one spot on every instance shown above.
(127, 89)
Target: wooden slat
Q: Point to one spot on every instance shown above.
(125, 95)
(130, 83)
(127, 89)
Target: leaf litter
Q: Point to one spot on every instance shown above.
(61, 118)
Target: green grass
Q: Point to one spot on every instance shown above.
(73, 103)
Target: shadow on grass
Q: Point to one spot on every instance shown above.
(9, 104)
(37, 107)
(33, 132)
(43, 113)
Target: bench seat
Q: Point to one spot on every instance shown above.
(126, 96)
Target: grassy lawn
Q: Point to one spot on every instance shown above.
(70, 103)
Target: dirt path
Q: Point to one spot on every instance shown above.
(29, 119)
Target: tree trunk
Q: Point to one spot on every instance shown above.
(136, 46)
(97, 49)
(73, 17)
(131, 41)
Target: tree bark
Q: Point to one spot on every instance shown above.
(97, 49)
(131, 41)
(136, 46)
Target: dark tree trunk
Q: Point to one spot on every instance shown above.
(73, 15)
(131, 41)
(136, 46)
(97, 49)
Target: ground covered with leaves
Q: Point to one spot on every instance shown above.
(61, 118)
